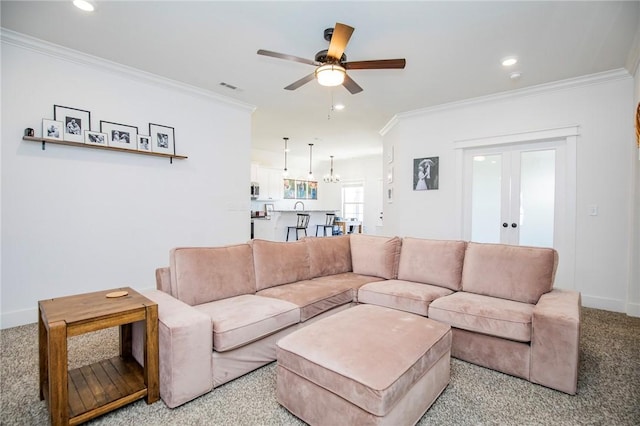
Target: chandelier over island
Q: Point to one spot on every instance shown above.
(331, 178)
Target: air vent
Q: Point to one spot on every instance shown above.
(228, 86)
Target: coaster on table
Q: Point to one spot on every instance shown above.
(118, 293)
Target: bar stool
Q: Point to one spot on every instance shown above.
(301, 224)
(329, 222)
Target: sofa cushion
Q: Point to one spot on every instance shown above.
(375, 256)
(436, 262)
(484, 314)
(240, 320)
(405, 296)
(329, 256)
(279, 263)
(349, 279)
(313, 297)
(518, 273)
(204, 274)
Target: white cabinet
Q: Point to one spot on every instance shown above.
(271, 183)
(254, 172)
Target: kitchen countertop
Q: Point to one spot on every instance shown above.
(306, 211)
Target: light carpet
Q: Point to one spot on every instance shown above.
(608, 387)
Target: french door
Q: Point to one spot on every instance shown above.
(513, 193)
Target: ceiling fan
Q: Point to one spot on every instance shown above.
(331, 64)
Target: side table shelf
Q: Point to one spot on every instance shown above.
(45, 141)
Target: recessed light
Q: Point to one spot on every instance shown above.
(515, 75)
(85, 5)
(510, 61)
(339, 107)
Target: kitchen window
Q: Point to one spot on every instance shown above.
(353, 201)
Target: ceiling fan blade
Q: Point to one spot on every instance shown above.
(339, 39)
(376, 65)
(301, 82)
(351, 85)
(287, 57)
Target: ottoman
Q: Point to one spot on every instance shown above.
(365, 365)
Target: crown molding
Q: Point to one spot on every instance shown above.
(26, 42)
(394, 120)
(588, 80)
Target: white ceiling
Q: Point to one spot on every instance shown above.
(453, 52)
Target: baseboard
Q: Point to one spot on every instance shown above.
(633, 309)
(604, 303)
(16, 318)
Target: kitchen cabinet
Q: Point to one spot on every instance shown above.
(271, 183)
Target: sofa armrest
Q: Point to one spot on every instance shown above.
(163, 279)
(555, 340)
(185, 338)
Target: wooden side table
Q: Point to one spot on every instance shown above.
(81, 394)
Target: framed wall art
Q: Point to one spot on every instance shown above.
(289, 189)
(52, 129)
(95, 138)
(120, 135)
(144, 143)
(425, 173)
(162, 138)
(312, 190)
(301, 189)
(75, 121)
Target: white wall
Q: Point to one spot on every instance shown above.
(77, 220)
(600, 105)
(633, 298)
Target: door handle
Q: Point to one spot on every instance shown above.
(514, 225)
(505, 225)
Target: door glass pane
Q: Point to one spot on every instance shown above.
(537, 197)
(485, 198)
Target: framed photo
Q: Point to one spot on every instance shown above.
(95, 138)
(390, 195)
(144, 143)
(301, 189)
(268, 209)
(312, 190)
(120, 135)
(52, 129)
(390, 175)
(289, 189)
(76, 121)
(162, 138)
(425, 173)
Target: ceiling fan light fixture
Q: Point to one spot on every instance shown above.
(330, 75)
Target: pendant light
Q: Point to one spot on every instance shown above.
(285, 172)
(310, 177)
(331, 178)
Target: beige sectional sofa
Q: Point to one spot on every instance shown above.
(222, 309)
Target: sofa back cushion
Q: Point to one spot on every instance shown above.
(329, 256)
(510, 272)
(375, 256)
(279, 263)
(204, 274)
(436, 262)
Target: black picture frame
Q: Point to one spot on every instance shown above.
(75, 122)
(120, 135)
(163, 138)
